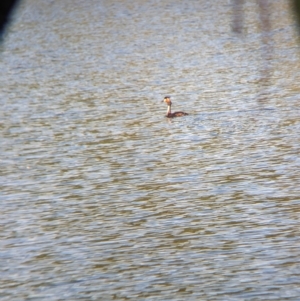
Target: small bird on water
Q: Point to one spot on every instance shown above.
(169, 114)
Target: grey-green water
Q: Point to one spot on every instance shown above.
(103, 198)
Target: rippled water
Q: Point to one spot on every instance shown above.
(103, 198)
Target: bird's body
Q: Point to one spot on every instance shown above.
(169, 114)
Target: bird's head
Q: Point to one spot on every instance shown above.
(167, 100)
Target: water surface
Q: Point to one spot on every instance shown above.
(103, 198)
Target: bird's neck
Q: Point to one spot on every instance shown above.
(169, 110)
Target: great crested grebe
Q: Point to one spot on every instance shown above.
(168, 101)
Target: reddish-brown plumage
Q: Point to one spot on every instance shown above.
(169, 114)
(176, 114)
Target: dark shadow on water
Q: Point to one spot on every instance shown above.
(266, 48)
